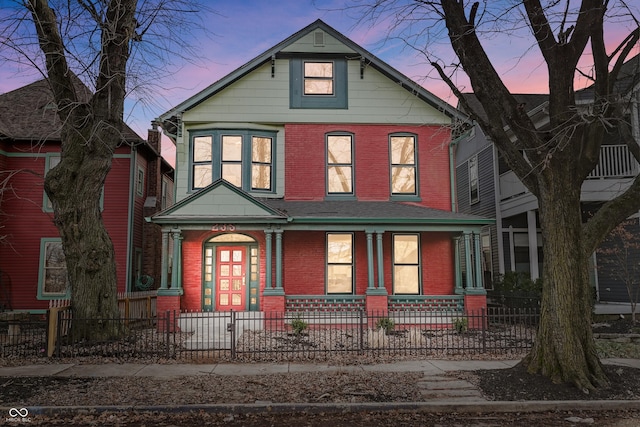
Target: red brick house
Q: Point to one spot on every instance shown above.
(316, 177)
(31, 258)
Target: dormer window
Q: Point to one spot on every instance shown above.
(318, 78)
(318, 83)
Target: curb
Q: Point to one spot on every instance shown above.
(267, 407)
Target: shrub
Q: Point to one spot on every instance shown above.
(385, 323)
(460, 324)
(298, 325)
(515, 289)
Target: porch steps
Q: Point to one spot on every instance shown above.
(210, 330)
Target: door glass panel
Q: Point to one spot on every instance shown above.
(236, 299)
(224, 299)
(207, 301)
(237, 270)
(224, 256)
(224, 284)
(208, 254)
(224, 270)
(237, 256)
(207, 291)
(237, 284)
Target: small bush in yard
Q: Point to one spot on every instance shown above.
(387, 324)
(460, 324)
(298, 325)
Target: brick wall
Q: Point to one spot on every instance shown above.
(306, 161)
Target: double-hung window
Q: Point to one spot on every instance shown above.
(53, 281)
(318, 78)
(406, 264)
(318, 83)
(474, 195)
(242, 158)
(339, 263)
(339, 164)
(403, 165)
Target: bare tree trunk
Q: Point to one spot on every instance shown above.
(564, 349)
(75, 188)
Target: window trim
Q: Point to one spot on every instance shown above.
(415, 196)
(297, 97)
(41, 295)
(340, 195)
(352, 263)
(140, 178)
(418, 264)
(473, 163)
(246, 162)
(47, 205)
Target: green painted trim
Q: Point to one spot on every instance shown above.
(273, 292)
(124, 156)
(443, 221)
(47, 166)
(297, 98)
(40, 294)
(170, 292)
(376, 291)
(475, 291)
(18, 155)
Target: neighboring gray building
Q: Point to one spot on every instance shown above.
(486, 186)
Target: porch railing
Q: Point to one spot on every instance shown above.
(433, 303)
(295, 303)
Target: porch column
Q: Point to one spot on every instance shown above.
(370, 281)
(279, 260)
(164, 272)
(467, 257)
(478, 255)
(380, 256)
(532, 231)
(269, 258)
(458, 267)
(176, 273)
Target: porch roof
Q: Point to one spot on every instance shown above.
(374, 212)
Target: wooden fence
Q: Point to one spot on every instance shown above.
(132, 305)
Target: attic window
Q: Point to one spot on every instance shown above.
(318, 39)
(318, 78)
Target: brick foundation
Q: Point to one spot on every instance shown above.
(168, 305)
(473, 306)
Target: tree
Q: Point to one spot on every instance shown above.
(620, 256)
(552, 162)
(95, 40)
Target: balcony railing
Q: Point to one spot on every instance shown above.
(615, 162)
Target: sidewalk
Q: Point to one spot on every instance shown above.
(439, 392)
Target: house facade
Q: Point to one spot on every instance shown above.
(486, 186)
(315, 177)
(32, 266)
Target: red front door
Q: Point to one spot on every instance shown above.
(230, 277)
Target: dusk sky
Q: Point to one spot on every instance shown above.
(243, 29)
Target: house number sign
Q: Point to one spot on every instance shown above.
(223, 227)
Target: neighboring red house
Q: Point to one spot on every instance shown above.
(316, 177)
(32, 268)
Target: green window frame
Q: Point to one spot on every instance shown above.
(53, 282)
(51, 161)
(340, 168)
(340, 263)
(318, 83)
(406, 264)
(403, 156)
(244, 158)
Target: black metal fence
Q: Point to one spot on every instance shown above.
(310, 335)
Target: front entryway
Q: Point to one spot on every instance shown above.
(230, 277)
(230, 274)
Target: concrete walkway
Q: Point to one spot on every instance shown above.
(439, 392)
